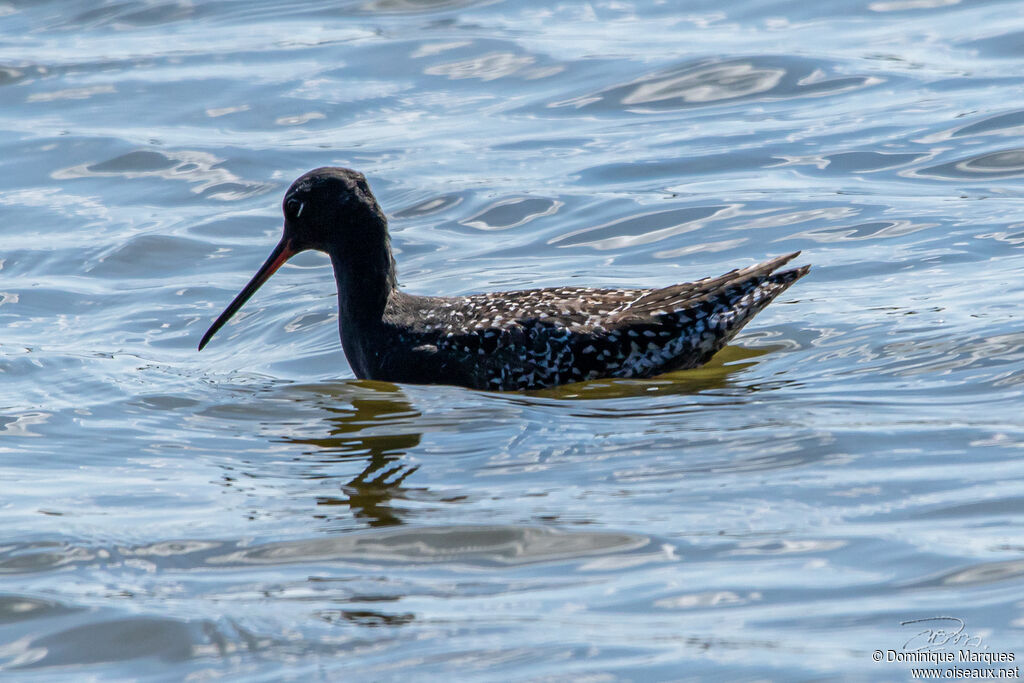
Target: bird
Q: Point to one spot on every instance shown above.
(500, 341)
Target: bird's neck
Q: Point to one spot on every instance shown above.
(365, 283)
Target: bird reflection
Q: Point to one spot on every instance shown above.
(371, 618)
(716, 374)
(367, 420)
(377, 424)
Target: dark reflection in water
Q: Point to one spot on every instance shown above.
(369, 618)
(377, 425)
(369, 493)
(354, 426)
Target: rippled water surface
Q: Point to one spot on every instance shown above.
(852, 461)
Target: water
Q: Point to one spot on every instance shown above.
(852, 461)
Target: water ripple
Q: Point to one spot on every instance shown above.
(204, 171)
(710, 82)
(1007, 163)
(455, 546)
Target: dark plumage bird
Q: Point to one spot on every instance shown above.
(503, 340)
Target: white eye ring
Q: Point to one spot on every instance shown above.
(302, 205)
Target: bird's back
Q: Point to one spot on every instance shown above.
(537, 338)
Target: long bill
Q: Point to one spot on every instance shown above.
(282, 252)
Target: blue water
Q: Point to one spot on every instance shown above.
(851, 462)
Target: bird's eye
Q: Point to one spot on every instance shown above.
(293, 208)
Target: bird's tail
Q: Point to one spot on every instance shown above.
(747, 294)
